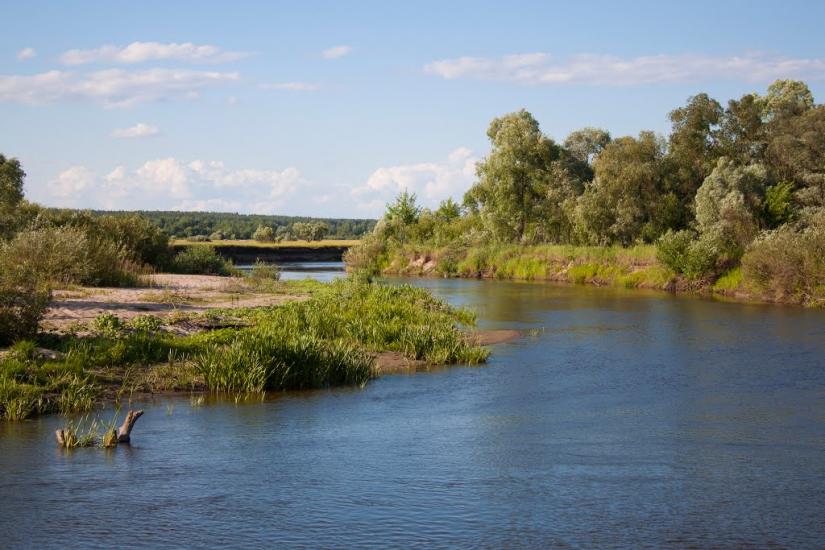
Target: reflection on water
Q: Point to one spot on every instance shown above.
(291, 271)
(626, 419)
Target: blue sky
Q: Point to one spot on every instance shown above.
(331, 108)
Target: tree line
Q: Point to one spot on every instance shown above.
(222, 225)
(725, 180)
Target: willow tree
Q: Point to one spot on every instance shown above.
(512, 179)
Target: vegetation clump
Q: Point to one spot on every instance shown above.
(201, 260)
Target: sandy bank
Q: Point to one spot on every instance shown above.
(163, 295)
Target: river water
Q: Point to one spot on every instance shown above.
(621, 418)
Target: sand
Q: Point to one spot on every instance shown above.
(166, 294)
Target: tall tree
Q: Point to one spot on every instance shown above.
(11, 182)
(512, 179)
(625, 202)
(580, 150)
(742, 133)
(692, 147)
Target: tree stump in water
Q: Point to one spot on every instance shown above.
(125, 429)
(68, 438)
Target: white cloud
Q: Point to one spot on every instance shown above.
(139, 130)
(172, 184)
(336, 51)
(293, 86)
(432, 182)
(112, 87)
(140, 52)
(543, 68)
(71, 183)
(26, 53)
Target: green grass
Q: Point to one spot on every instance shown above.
(729, 282)
(327, 340)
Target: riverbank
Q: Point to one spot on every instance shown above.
(250, 251)
(631, 267)
(232, 335)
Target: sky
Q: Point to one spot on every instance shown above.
(329, 109)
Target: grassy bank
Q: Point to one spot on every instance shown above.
(330, 339)
(635, 267)
(625, 267)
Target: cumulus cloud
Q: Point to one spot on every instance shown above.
(26, 53)
(112, 87)
(173, 184)
(140, 52)
(73, 182)
(139, 130)
(292, 86)
(432, 182)
(543, 68)
(336, 51)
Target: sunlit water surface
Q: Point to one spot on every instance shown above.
(621, 419)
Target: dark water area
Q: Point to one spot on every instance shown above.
(620, 419)
(292, 271)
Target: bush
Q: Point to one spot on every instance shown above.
(672, 247)
(201, 260)
(686, 253)
(69, 255)
(263, 271)
(789, 264)
(264, 234)
(24, 298)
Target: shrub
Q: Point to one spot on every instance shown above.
(686, 253)
(263, 271)
(24, 298)
(789, 264)
(264, 234)
(201, 260)
(68, 255)
(107, 324)
(672, 247)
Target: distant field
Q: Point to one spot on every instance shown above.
(258, 244)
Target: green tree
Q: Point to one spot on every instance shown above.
(580, 150)
(264, 234)
(728, 206)
(513, 177)
(404, 209)
(11, 182)
(785, 99)
(692, 148)
(625, 202)
(742, 133)
(448, 210)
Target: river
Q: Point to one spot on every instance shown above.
(621, 418)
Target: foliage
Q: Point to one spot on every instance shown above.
(201, 260)
(511, 179)
(778, 204)
(264, 234)
(310, 231)
(24, 297)
(69, 255)
(243, 226)
(788, 263)
(265, 271)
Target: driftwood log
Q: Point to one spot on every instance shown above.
(125, 429)
(111, 438)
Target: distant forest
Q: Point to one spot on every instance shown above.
(242, 226)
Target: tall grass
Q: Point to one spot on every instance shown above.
(328, 340)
